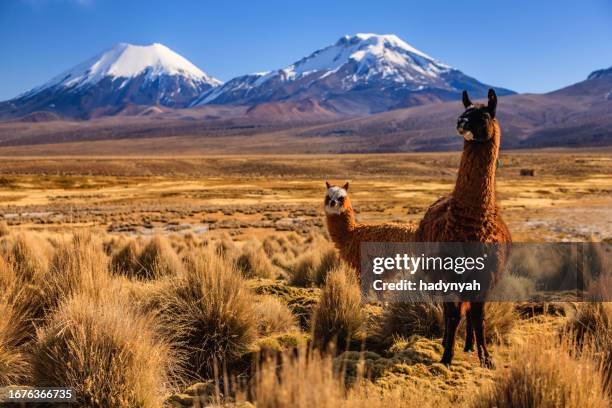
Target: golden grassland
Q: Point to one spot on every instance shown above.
(190, 282)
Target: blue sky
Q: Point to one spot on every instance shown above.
(528, 46)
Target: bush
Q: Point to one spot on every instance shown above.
(273, 316)
(545, 376)
(105, 351)
(208, 313)
(253, 262)
(158, 259)
(339, 314)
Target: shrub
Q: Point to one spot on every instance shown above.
(126, 261)
(208, 313)
(339, 314)
(157, 259)
(254, 263)
(542, 375)
(105, 351)
(273, 316)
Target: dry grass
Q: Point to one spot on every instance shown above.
(273, 316)
(14, 333)
(312, 380)
(590, 330)
(339, 313)
(208, 313)
(29, 256)
(126, 261)
(4, 229)
(158, 259)
(79, 265)
(425, 318)
(105, 351)
(545, 375)
(253, 261)
(312, 267)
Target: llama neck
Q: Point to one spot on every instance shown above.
(341, 225)
(474, 193)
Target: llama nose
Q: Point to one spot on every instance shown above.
(333, 203)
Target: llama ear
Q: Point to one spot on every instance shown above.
(492, 106)
(345, 186)
(466, 100)
(327, 185)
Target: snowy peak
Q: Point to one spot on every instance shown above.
(358, 74)
(115, 81)
(376, 56)
(129, 61)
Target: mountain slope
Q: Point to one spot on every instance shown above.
(359, 74)
(122, 76)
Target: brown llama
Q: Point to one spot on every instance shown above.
(347, 234)
(470, 214)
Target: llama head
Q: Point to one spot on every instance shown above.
(336, 199)
(478, 123)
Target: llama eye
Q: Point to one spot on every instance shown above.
(341, 199)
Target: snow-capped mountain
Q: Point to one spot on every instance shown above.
(600, 73)
(117, 78)
(363, 73)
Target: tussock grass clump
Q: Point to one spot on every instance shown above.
(253, 262)
(5, 230)
(590, 331)
(543, 375)
(273, 316)
(14, 333)
(126, 261)
(423, 317)
(29, 256)
(339, 314)
(500, 318)
(79, 265)
(158, 259)
(208, 313)
(312, 267)
(105, 351)
(313, 380)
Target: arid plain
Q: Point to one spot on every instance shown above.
(222, 266)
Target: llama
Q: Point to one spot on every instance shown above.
(347, 234)
(470, 214)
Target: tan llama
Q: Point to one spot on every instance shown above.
(347, 234)
(470, 214)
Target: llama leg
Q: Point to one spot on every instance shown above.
(469, 333)
(452, 315)
(478, 321)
